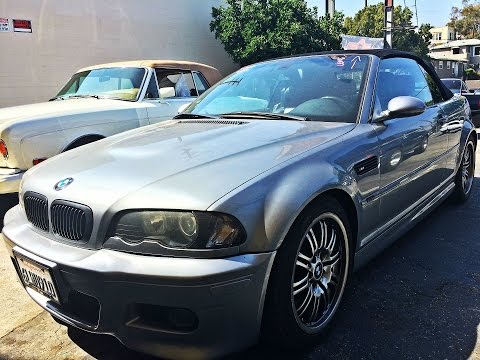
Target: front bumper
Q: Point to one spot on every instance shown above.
(109, 292)
(10, 180)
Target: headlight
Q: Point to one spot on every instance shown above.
(177, 229)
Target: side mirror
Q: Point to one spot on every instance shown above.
(167, 92)
(402, 106)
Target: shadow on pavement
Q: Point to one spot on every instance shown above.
(6, 203)
(104, 347)
(418, 299)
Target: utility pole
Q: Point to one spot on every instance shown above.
(366, 3)
(330, 7)
(388, 32)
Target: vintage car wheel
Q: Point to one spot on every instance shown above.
(309, 275)
(465, 174)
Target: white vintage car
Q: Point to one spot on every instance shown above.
(96, 102)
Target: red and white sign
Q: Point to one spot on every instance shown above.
(4, 25)
(22, 26)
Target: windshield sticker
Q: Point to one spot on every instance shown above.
(341, 62)
(355, 60)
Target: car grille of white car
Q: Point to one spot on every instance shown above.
(68, 220)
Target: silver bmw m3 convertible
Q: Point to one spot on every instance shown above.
(245, 215)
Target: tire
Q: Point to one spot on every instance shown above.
(465, 174)
(296, 290)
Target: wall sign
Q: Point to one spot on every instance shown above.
(4, 25)
(22, 26)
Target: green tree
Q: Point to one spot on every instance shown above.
(370, 22)
(256, 30)
(466, 20)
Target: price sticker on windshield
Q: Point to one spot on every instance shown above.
(355, 60)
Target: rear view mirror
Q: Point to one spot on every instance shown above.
(104, 78)
(402, 106)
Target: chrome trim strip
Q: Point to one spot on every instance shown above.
(435, 199)
(406, 178)
(389, 224)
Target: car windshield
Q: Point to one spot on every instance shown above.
(453, 85)
(318, 88)
(115, 83)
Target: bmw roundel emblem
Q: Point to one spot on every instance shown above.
(62, 184)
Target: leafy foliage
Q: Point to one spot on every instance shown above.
(471, 74)
(256, 30)
(370, 22)
(466, 20)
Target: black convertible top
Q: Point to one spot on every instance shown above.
(386, 54)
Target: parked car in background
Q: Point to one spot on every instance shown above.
(459, 88)
(245, 215)
(96, 102)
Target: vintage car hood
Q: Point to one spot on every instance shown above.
(176, 164)
(52, 109)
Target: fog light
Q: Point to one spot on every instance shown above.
(162, 318)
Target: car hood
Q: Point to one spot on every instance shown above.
(177, 164)
(52, 109)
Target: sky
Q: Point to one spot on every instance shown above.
(435, 12)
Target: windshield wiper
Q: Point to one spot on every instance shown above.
(263, 115)
(83, 96)
(193, 116)
(57, 98)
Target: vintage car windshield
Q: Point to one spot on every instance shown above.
(318, 88)
(117, 83)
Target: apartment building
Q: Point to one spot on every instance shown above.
(441, 35)
(452, 58)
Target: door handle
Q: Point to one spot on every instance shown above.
(452, 126)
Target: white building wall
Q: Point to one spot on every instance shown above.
(68, 35)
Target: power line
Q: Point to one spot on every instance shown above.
(413, 7)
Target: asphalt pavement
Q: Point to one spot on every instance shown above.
(419, 299)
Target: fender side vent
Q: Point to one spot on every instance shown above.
(366, 165)
(221, 122)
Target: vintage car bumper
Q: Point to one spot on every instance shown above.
(476, 118)
(10, 180)
(169, 307)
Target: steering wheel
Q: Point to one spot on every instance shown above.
(338, 100)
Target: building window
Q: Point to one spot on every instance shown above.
(476, 50)
(450, 36)
(456, 51)
(440, 65)
(448, 65)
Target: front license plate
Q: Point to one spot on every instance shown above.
(37, 277)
